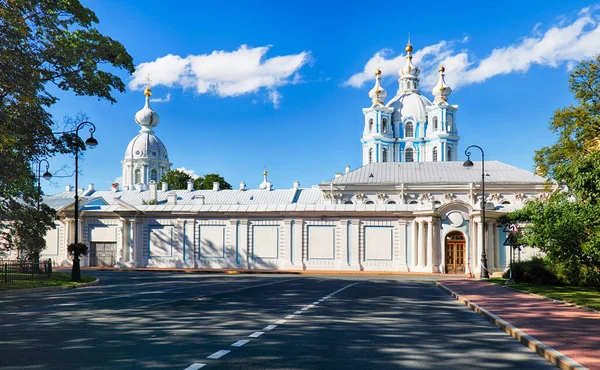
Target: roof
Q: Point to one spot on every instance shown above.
(435, 173)
(211, 197)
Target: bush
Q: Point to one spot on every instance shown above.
(535, 271)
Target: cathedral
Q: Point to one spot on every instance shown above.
(411, 207)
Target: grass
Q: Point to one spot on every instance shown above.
(588, 297)
(57, 279)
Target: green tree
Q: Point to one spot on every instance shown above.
(176, 179)
(206, 182)
(44, 45)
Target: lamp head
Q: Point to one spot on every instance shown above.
(91, 142)
(47, 175)
(468, 163)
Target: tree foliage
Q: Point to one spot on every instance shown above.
(567, 225)
(44, 45)
(177, 180)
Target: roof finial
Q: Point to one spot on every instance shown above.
(265, 172)
(409, 47)
(147, 91)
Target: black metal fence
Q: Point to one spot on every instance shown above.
(24, 270)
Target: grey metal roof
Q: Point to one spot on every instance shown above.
(435, 173)
(211, 197)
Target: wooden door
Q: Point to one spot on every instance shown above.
(103, 254)
(455, 253)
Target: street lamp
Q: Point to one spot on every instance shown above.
(47, 175)
(468, 164)
(91, 143)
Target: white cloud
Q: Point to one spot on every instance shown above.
(224, 73)
(563, 44)
(275, 98)
(192, 173)
(166, 99)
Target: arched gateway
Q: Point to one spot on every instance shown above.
(455, 252)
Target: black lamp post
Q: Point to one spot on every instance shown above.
(91, 143)
(468, 163)
(47, 175)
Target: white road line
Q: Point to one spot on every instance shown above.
(280, 322)
(304, 308)
(219, 354)
(195, 366)
(298, 313)
(316, 302)
(256, 334)
(311, 306)
(216, 293)
(290, 316)
(270, 327)
(240, 343)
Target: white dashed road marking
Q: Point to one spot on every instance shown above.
(240, 343)
(219, 354)
(298, 313)
(280, 322)
(290, 316)
(195, 366)
(256, 334)
(270, 327)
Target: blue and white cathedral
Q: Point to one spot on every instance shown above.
(410, 128)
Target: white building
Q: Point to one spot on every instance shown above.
(410, 207)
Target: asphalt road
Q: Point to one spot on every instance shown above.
(149, 320)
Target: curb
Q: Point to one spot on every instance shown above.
(553, 356)
(50, 288)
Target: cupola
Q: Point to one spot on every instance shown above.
(378, 93)
(146, 117)
(441, 91)
(409, 74)
(266, 184)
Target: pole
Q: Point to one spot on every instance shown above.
(484, 270)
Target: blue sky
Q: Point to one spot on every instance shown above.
(282, 84)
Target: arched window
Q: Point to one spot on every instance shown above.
(384, 155)
(409, 130)
(154, 175)
(384, 125)
(370, 155)
(408, 155)
(138, 176)
(369, 202)
(435, 124)
(413, 202)
(435, 154)
(449, 123)
(449, 153)
(505, 202)
(348, 202)
(391, 202)
(370, 124)
(409, 84)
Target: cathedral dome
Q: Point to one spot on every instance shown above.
(146, 117)
(146, 146)
(410, 105)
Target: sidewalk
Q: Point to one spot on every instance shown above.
(572, 331)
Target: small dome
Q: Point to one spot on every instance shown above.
(409, 105)
(441, 91)
(378, 93)
(146, 117)
(146, 146)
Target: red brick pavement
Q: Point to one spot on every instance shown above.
(570, 330)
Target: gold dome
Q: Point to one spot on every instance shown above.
(409, 48)
(442, 69)
(147, 91)
(378, 72)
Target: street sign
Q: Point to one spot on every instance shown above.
(510, 240)
(512, 228)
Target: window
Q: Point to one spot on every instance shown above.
(435, 154)
(138, 176)
(449, 120)
(505, 202)
(384, 155)
(154, 175)
(449, 153)
(370, 124)
(413, 202)
(435, 124)
(348, 202)
(391, 202)
(384, 125)
(370, 155)
(408, 130)
(408, 155)
(369, 202)
(409, 85)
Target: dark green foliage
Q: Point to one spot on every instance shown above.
(177, 180)
(44, 44)
(535, 271)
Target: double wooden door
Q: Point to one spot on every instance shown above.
(455, 253)
(103, 254)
